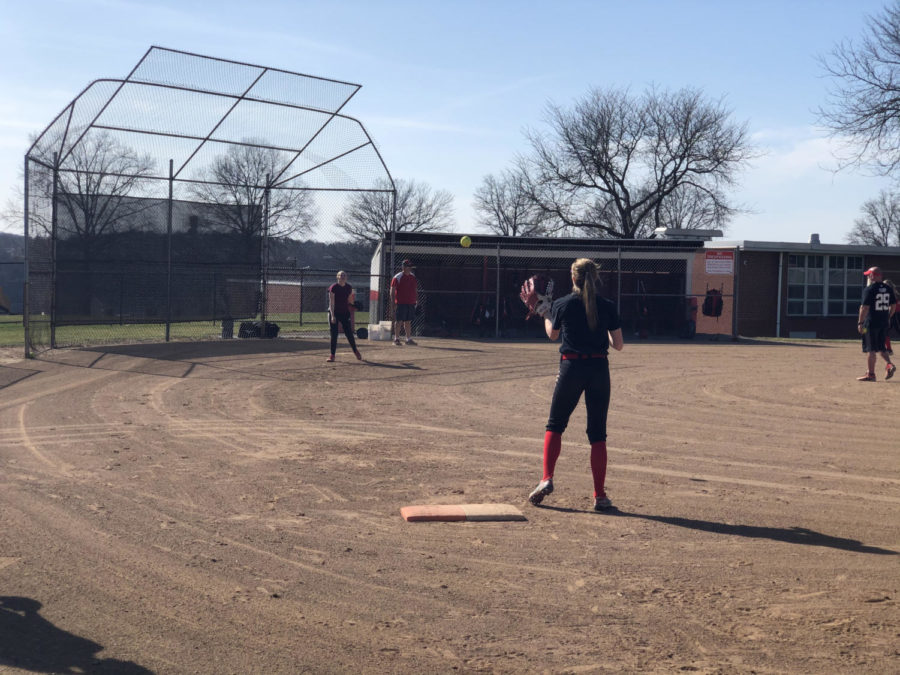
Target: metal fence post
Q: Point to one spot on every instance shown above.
(169, 250)
(734, 291)
(53, 237)
(121, 298)
(497, 298)
(265, 260)
(619, 280)
(302, 276)
(26, 287)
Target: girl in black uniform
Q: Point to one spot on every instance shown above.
(588, 325)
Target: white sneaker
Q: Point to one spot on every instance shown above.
(544, 488)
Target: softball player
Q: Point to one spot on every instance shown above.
(874, 322)
(340, 298)
(588, 325)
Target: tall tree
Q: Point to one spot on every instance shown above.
(863, 104)
(607, 166)
(879, 224)
(97, 190)
(503, 205)
(235, 186)
(688, 208)
(367, 217)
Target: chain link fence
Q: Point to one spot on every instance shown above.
(152, 201)
(12, 284)
(660, 287)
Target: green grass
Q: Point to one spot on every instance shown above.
(12, 332)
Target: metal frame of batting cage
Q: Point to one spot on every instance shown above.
(182, 112)
(651, 281)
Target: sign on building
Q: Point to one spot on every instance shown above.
(720, 262)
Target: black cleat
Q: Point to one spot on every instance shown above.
(544, 488)
(602, 504)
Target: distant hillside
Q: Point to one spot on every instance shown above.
(12, 247)
(287, 253)
(282, 253)
(321, 256)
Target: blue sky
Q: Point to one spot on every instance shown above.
(449, 87)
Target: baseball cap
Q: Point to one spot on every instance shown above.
(872, 271)
(408, 263)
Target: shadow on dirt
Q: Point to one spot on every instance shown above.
(189, 351)
(10, 376)
(789, 535)
(449, 349)
(824, 344)
(30, 642)
(393, 366)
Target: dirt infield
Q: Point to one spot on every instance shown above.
(235, 508)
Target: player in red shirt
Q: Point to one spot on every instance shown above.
(895, 317)
(404, 296)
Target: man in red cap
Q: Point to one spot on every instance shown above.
(875, 312)
(404, 297)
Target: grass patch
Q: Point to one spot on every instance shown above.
(12, 331)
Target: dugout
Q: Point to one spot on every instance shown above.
(474, 291)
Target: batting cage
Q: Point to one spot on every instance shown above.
(662, 288)
(152, 202)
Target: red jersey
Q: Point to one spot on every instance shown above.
(404, 287)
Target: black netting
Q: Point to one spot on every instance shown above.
(474, 291)
(156, 198)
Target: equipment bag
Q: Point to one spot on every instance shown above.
(712, 303)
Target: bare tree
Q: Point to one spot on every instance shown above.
(688, 208)
(609, 164)
(235, 185)
(367, 217)
(879, 224)
(863, 104)
(504, 206)
(97, 188)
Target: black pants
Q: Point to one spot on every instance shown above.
(344, 321)
(588, 376)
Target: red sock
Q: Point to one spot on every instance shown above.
(598, 467)
(552, 446)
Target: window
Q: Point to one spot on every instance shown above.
(824, 285)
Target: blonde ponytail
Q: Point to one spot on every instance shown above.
(584, 274)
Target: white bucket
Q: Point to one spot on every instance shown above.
(379, 332)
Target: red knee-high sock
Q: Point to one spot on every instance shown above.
(552, 446)
(598, 467)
